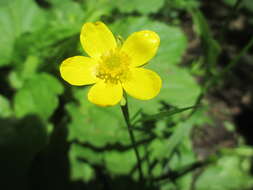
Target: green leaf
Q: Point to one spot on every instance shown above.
(248, 5)
(5, 108)
(38, 96)
(4, 3)
(95, 9)
(183, 4)
(66, 14)
(28, 70)
(242, 150)
(181, 131)
(230, 2)
(227, 174)
(211, 46)
(80, 170)
(163, 114)
(181, 160)
(59, 40)
(30, 67)
(16, 18)
(120, 163)
(56, 44)
(85, 125)
(80, 152)
(58, 2)
(148, 7)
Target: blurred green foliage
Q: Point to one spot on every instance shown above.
(35, 103)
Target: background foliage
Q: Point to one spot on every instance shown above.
(51, 137)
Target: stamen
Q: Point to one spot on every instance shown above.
(113, 66)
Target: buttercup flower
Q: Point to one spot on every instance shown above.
(113, 67)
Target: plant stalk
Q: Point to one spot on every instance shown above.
(125, 112)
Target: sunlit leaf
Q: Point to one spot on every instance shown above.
(38, 96)
(150, 6)
(16, 18)
(79, 169)
(227, 174)
(115, 159)
(5, 108)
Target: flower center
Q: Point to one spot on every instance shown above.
(113, 66)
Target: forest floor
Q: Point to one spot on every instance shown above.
(232, 100)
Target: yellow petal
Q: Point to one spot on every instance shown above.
(142, 83)
(141, 46)
(96, 39)
(78, 70)
(105, 94)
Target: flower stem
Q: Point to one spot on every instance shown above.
(125, 112)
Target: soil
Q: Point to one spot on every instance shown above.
(232, 100)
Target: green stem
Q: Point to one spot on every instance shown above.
(125, 112)
(238, 57)
(215, 79)
(230, 65)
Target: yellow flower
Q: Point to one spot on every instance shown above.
(113, 67)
